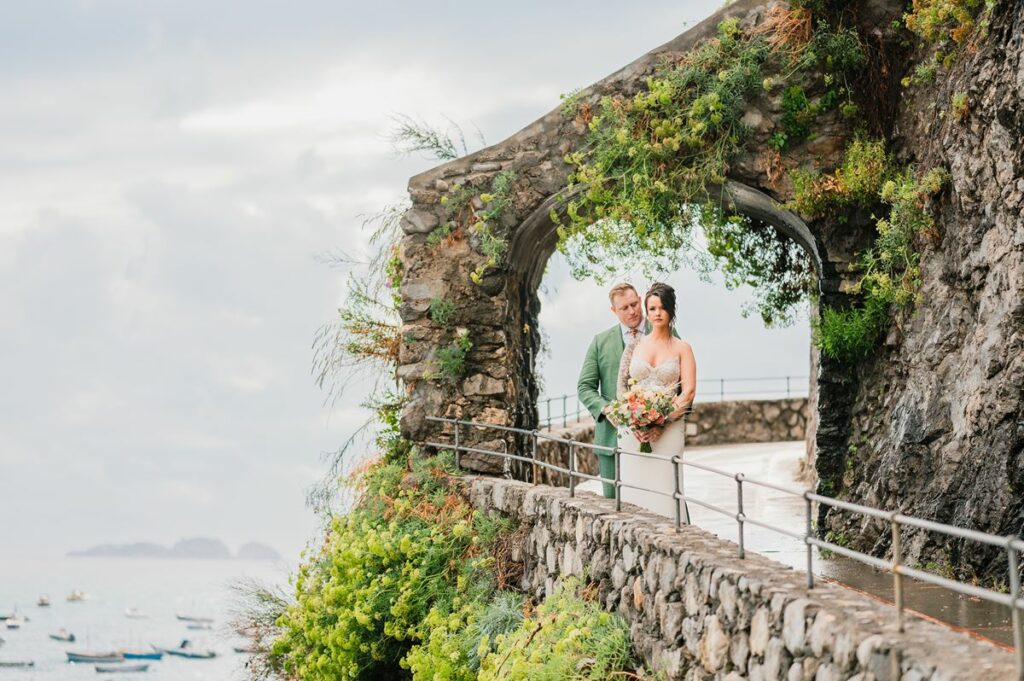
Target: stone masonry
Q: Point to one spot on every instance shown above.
(698, 612)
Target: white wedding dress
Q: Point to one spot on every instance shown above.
(641, 470)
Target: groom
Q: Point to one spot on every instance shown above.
(600, 373)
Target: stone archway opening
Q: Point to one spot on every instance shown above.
(741, 406)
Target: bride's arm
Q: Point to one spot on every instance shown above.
(688, 381)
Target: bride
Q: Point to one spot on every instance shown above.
(657, 361)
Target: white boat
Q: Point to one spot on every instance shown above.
(135, 614)
(16, 664)
(77, 596)
(16, 621)
(121, 668)
(63, 635)
(186, 650)
(193, 618)
(43, 602)
(95, 657)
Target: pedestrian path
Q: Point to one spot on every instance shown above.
(779, 463)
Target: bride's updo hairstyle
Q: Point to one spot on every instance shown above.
(667, 295)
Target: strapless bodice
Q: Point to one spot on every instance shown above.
(664, 376)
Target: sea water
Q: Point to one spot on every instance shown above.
(158, 589)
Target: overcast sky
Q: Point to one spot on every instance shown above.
(169, 171)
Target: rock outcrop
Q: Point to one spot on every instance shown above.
(937, 425)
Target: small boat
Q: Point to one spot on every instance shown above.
(135, 614)
(16, 621)
(193, 618)
(77, 596)
(63, 635)
(199, 626)
(43, 602)
(142, 654)
(186, 650)
(122, 668)
(192, 654)
(94, 657)
(16, 664)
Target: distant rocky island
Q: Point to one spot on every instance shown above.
(197, 547)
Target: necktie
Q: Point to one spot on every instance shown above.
(633, 333)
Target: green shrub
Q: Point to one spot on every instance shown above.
(411, 546)
(960, 106)
(866, 167)
(937, 20)
(852, 334)
(458, 640)
(858, 181)
(891, 269)
(450, 360)
(797, 115)
(442, 312)
(568, 639)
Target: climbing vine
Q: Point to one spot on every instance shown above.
(653, 165)
(890, 269)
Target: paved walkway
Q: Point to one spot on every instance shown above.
(778, 463)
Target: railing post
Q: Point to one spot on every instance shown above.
(572, 470)
(458, 458)
(678, 496)
(739, 512)
(547, 404)
(506, 463)
(533, 455)
(617, 456)
(807, 536)
(787, 386)
(565, 410)
(897, 578)
(1013, 561)
(721, 390)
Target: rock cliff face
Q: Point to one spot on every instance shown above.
(937, 425)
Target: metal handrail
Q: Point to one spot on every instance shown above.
(1011, 543)
(573, 411)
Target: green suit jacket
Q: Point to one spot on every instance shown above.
(598, 379)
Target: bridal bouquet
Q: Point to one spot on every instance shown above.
(641, 410)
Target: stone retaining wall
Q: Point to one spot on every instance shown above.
(698, 612)
(712, 423)
(740, 421)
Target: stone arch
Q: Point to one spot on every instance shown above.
(500, 310)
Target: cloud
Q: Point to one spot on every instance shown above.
(246, 373)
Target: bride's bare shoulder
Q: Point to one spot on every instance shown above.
(681, 346)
